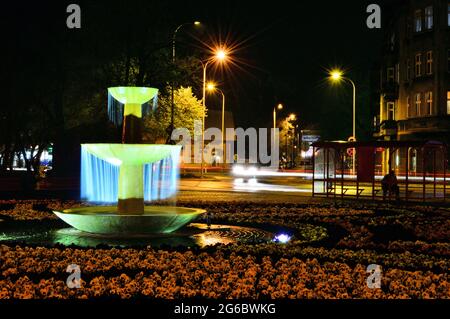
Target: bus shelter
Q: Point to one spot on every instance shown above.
(355, 169)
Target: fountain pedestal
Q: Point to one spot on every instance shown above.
(131, 189)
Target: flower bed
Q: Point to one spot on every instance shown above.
(333, 245)
(131, 273)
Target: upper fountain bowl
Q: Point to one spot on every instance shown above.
(131, 154)
(132, 95)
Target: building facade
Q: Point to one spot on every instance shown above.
(415, 72)
(414, 80)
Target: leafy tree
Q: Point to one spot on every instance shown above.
(187, 109)
(287, 131)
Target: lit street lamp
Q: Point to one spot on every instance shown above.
(212, 87)
(219, 55)
(292, 117)
(279, 107)
(172, 109)
(337, 76)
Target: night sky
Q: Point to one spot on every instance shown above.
(281, 52)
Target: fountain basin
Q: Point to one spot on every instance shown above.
(131, 154)
(132, 95)
(106, 220)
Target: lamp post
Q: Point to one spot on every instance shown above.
(336, 76)
(172, 108)
(212, 87)
(279, 107)
(220, 55)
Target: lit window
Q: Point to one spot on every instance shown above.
(429, 17)
(418, 102)
(418, 21)
(418, 64)
(429, 62)
(448, 102)
(408, 107)
(391, 111)
(429, 102)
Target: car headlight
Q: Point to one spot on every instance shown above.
(238, 170)
(251, 170)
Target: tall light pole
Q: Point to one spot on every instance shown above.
(220, 55)
(174, 35)
(279, 107)
(212, 87)
(336, 76)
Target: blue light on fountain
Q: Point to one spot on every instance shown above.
(99, 178)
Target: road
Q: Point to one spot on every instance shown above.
(226, 183)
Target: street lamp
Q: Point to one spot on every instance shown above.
(172, 109)
(220, 55)
(292, 117)
(336, 76)
(279, 107)
(212, 87)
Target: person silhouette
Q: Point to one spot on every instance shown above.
(389, 184)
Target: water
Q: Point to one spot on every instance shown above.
(116, 109)
(161, 178)
(195, 234)
(100, 179)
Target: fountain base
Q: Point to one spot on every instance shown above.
(107, 220)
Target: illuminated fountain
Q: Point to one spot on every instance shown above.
(129, 174)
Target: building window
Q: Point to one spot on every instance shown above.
(390, 110)
(418, 21)
(429, 62)
(448, 102)
(418, 102)
(408, 70)
(418, 64)
(390, 75)
(429, 18)
(408, 107)
(429, 102)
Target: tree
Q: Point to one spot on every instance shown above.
(187, 109)
(286, 133)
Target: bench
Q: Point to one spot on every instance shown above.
(345, 189)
